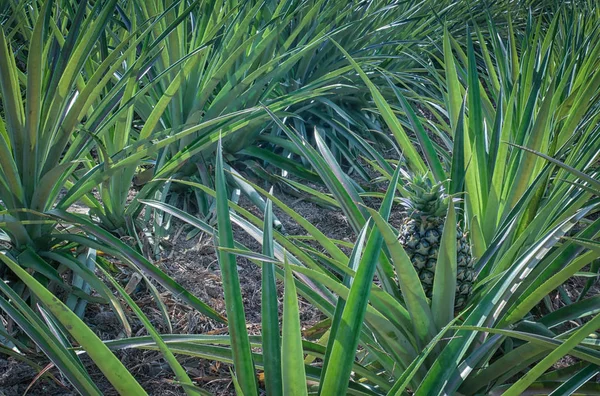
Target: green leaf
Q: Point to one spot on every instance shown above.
(454, 95)
(353, 263)
(476, 130)
(486, 311)
(518, 387)
(162, 346)
(410, 284)
(107, 362)
(426, 145)
(545, 288)
(348, 198)
(457, 168)
(413, 158)
(292, 359)
(344, 349)
(271, 342)
(595, 183)
(32, 325)
(92, 279)
(572, 385)
(404, 380)
(444, 282)
(242, 356)
(114, 246)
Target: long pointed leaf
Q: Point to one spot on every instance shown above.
(292, 361)
(271, 342)
(242, 356)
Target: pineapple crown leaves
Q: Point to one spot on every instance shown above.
(424, 198)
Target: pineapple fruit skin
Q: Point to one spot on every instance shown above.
(421, 240)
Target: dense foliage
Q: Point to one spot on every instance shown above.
(480, 119)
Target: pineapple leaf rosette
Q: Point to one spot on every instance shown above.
(426, 205)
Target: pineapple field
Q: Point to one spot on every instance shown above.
(294, 197)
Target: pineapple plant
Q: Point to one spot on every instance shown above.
(420, 234)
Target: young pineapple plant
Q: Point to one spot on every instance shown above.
(426, 204)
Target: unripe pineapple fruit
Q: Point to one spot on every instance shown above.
(421, 234)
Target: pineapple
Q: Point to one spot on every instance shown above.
(421, 233)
